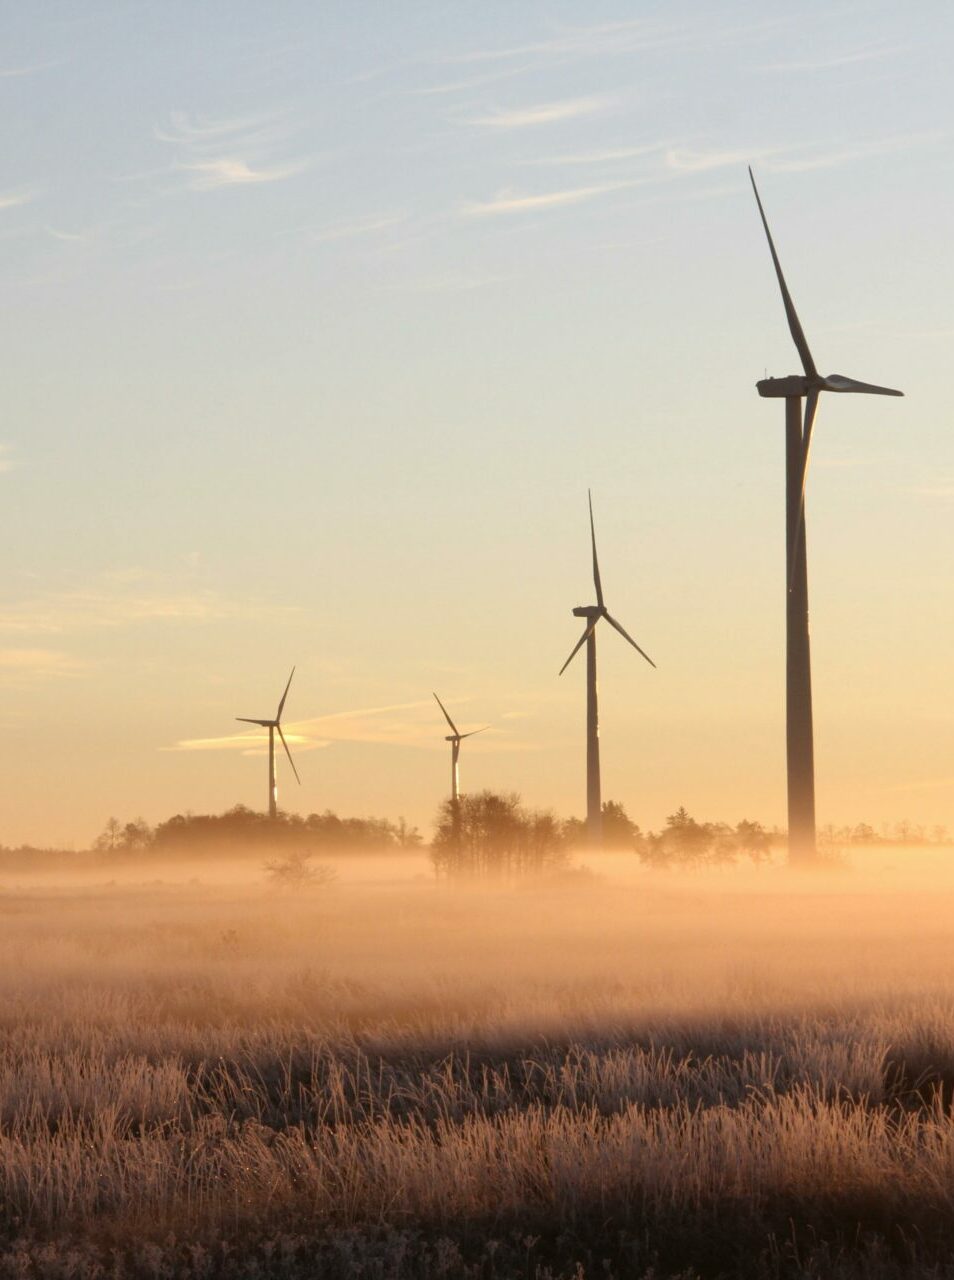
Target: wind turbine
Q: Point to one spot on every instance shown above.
(798, 439)
(592, 613)
(271, 726)
(455, 738)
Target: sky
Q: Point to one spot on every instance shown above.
(320, 319)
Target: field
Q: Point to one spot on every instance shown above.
(616, 1074)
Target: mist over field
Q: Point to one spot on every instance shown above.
(610, 1071)
(361, 364)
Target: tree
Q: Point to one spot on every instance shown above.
(407, 837)
(110, 838)
(684, 838)
(619, 831)
(489, 835)
(693, 843)
(137, 835)
(752, 839)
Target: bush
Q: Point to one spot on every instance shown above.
(294, 872)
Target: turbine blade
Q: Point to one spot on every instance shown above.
(579, 644)
(626, 636)
(288, 753)
(838, 382)
(811, 405)
(446, 716)
(474, 731)
(794, 324)
(281, 705)
(246, 720)
(596, 563)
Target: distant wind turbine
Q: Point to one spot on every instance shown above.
(592, 613)
(455, 738)
(272, 726)
(798, 438)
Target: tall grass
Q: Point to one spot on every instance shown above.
(705, 1076)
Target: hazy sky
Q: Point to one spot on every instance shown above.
(319, 319)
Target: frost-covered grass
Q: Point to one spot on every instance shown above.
(736, 1074)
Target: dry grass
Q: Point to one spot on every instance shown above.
(739, 1074)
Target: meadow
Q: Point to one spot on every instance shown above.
(617, 1072)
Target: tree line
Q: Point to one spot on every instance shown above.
(489, 835)
(493, 835)
(244, 830)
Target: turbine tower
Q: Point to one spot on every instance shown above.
(272, 726)
(592, 613)
(798, 438)
(455, 738)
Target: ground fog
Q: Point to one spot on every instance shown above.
(612, 1072)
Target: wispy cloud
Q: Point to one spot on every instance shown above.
(122, 599)
(234, 152)
(392, 725)
(796, 158)
(830, 157)
(573, 43)
(251, 743)
(684, 160)
(232, 172)
(665, 163)
(200, 131)
(540, 114)
(836, 61)
(34, 664)
(463, 86)
(27, 69)
(11, 199)
(357, 227)
(509, 202)
(68, 237)
(6, 462)
(608, 155)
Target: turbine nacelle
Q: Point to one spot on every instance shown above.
(798, 385)
(455, 738)
(593, 612)
(275, 726)
(809, 386)
(592, 615)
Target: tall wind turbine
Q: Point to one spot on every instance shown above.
(592, 613)
(455, 738)
(798, 438)
(272, 726)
